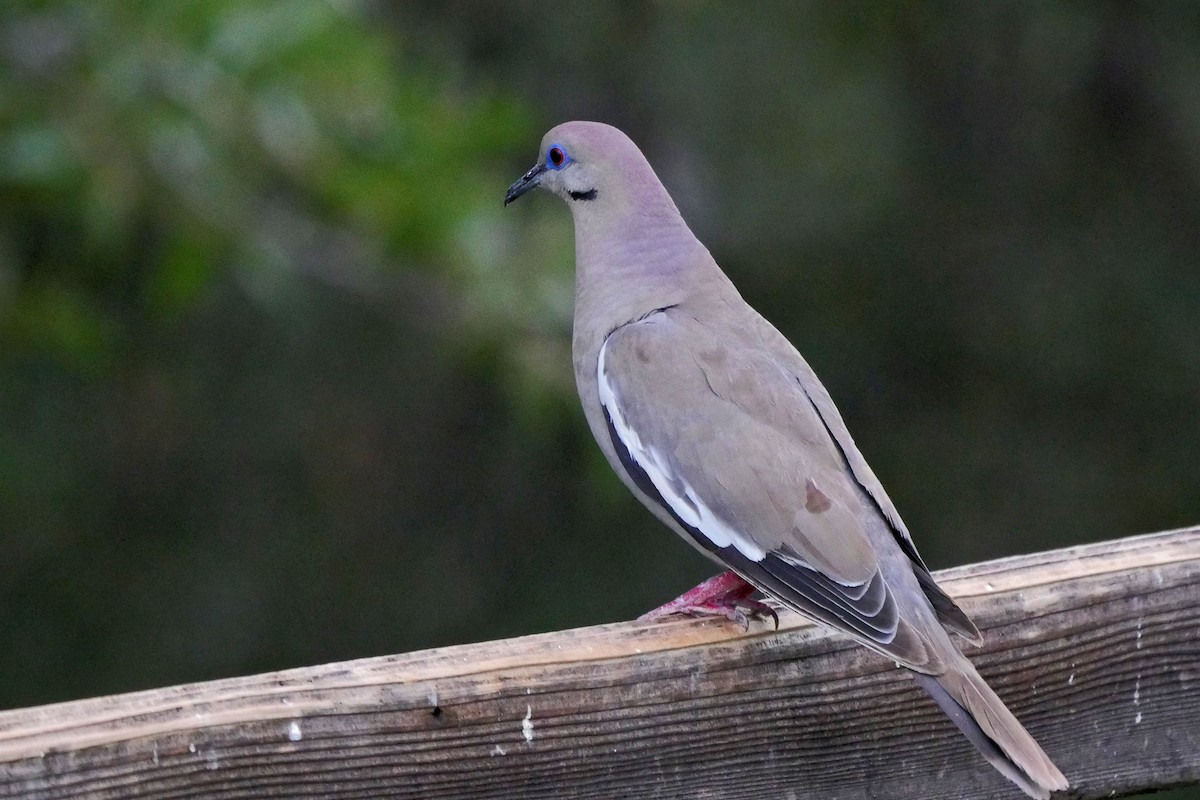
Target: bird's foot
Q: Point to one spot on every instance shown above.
(726, 595)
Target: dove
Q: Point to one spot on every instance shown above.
(718, 425)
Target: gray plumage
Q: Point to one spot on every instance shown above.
(719, 426)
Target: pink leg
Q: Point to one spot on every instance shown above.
(725, 595)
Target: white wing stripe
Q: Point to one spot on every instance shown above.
(674, 489)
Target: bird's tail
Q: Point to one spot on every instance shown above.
(984, 719)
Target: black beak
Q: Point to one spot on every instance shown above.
(528, 181)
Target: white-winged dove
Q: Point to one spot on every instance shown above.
(716, 423)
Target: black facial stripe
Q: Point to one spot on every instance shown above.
(590, 194)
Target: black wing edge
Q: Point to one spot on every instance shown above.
(944, 606)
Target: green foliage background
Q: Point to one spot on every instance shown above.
(281, 382)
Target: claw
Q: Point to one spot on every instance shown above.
(726, 595)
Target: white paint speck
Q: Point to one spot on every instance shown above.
(1138, 641)
(1137, 718)
(527, 724)
(989, 587)
(294, 732)
(1071, 680)
(1137, 690)
(192, 747)
(498, 751)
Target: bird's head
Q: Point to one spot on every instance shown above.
(590, 164)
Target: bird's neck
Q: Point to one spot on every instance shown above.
(635, 254)
(627, 265)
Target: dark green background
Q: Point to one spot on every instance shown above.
(282, 383)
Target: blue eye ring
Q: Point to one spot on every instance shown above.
(556, 157)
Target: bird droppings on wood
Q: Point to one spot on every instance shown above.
(294, 732)
(527, 725)
(499, 751)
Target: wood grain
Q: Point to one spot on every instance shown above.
(1096, 649)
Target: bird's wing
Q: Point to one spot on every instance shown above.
(733, 449)
(947, 610)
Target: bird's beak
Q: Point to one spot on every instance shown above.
(528, 181)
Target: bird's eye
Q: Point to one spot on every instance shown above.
(556, 157)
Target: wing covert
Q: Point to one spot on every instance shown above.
(745, 468)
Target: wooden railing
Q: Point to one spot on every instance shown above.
(1095, 648)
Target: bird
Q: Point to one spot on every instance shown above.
(718, 425)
